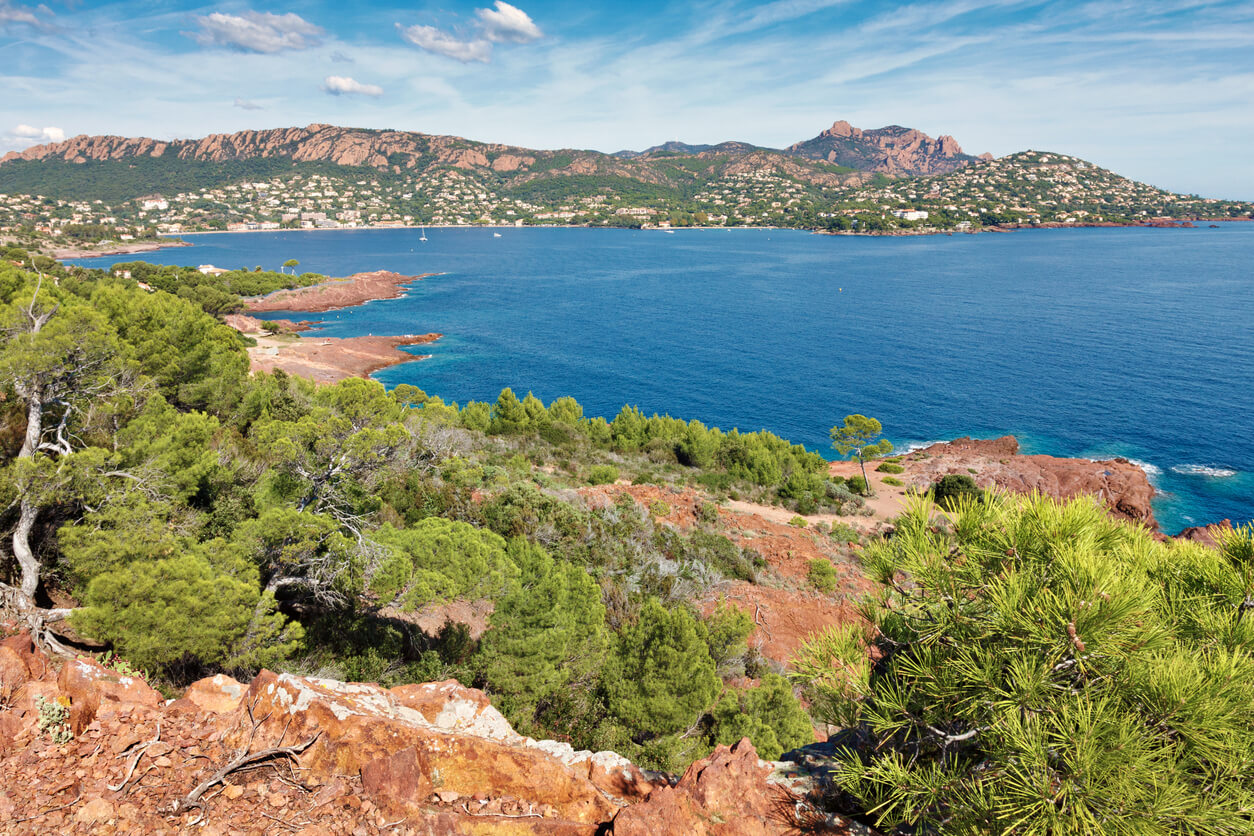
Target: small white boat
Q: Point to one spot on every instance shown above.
(424, 233)
(496, 235)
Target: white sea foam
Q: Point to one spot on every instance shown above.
(1204, 470)
(1151, 470)
(911, 446)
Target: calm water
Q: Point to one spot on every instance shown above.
(1080, 342)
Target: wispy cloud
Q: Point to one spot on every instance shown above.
(244, 104)
(339, 85)
(14, 15)
(450, 46)
(257, 32)
(340, 58)
(502, 24)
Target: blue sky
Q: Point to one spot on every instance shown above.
(1159, 91)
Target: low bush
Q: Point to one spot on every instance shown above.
(890, 467)
(823, 576)
(947, 490)
(894, 481)
(603, 474)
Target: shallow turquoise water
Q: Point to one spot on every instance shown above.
(1099, 342)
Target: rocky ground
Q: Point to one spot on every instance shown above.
(286, 754)
(323, 359)
(357, 289)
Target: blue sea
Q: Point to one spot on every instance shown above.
(1085, 342)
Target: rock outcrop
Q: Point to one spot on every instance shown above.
(433, 758)
(890, 150)
(1122, 485)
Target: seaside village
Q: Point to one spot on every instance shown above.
(1030, 187)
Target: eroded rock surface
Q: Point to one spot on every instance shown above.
(1122, 485)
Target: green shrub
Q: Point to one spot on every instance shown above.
(892, 480)
(661, 677)
(1043, 669)
(890, 467)
(706, 512)
(798, 522)
(54, 718)
(823, 576)
(603, 474)
(769, 715)
(845, 533)
(659, 508)
(857, 485)
(947, 490)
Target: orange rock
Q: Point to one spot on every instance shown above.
(465, 748)
(217, 694)
(88, 683)
(96, 810)
(397, 782)
(13, 674)
(726, 793)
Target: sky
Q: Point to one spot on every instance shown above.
(1162, 92)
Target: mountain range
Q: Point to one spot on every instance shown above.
(890, 179)
(892, 150)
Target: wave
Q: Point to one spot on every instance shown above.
(911, 446)
(1151, 470)
(1204, 470)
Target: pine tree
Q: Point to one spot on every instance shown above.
(546, 631)
(1035, 667)
(662, 677)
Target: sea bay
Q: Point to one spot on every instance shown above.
(1083, 342)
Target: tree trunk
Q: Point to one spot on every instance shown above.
(866, 483)
(22, 550)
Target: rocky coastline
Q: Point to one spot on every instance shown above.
(335, 294)
(89, 251)
(997, 463)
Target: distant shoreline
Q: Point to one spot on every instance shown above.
(1156, 223)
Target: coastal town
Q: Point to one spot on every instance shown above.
(715, 189)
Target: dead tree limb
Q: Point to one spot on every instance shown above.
(239, 763)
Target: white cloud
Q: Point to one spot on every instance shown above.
(503, 24)
(13, 13)
(442, 43)
(31, 135)
(257, 31)
(339, 85)
(244, 104)
(508, 24)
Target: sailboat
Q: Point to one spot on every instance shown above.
(424, 233)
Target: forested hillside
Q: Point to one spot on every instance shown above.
(1015, 666)
(194, 518)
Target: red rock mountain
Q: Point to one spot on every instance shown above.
(889, 150)
(314, 143)
(893, 150)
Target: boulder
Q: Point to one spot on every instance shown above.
(725, 794)
(88, 683)
(218, 694)
(13, 674)
(1207, 535)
